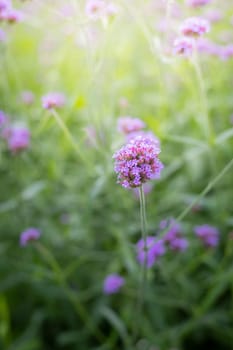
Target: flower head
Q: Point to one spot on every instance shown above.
(31, 234)
(53, 100)
(183, 46)
(137, 162)
(194, 27)
(128, 125)
(18, 139)
(113, 283)
(149, 252)
(95, 8)
(173, 236)
(208, 234)
(12, 15)
(144, 134)
(196, 3)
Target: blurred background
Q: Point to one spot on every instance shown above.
(71, 71)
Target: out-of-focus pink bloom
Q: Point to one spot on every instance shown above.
(195, 26)
(95, 8)
(53, 100)
(208, 234)
(173, 236)
(183, 46)
(5, 5)
(18, 139)
(12, 15)
(90, 136)
(27, 97)
(113, 283)
(31, 234)
(3, 36)
(196, 3)
(150, 251)
(128, 125)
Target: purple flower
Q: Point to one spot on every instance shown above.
(12, 15)
(195, 26)
(137, 162)
(4, 5)
(31, 234)
(173, 236)
(18, 139)
(95, 8)
(113, 283)
(183, 46)
(128, 125)
(196, 3)
(53, 100)
(154, 248)
(208, 234)
(179, 244)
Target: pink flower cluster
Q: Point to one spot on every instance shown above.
(127, 124)
(31, 234)
(150, 251)
(137, 162)
(53, 100)
(191, 28)
(208, 234)
(195, 27)
(17, 137)
(196, 3)
(173, 236)
(113, 283)
(8, 13)
(224, 52)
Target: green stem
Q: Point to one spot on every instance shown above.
(51, 260)
(142, 288)
(209, 133)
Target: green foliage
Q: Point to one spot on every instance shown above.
(51, 291)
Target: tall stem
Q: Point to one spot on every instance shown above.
(142, 288)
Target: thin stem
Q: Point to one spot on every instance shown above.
(209, 134)
(143, 284)
(68, 134)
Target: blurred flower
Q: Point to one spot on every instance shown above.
(113, 283)
(195, 26)
(144, 134)
(31, 234)
(196, 3)
(214, 15)
(153, 249)
(91, 137)
(12, 15)
(27, 97)
(173, 236)
(95, 8)
(137, 162)
(183, 46)
(5, 5)
(208, 234)
(18, 139)
(53, 100)
(127, 124)
(3, 36)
